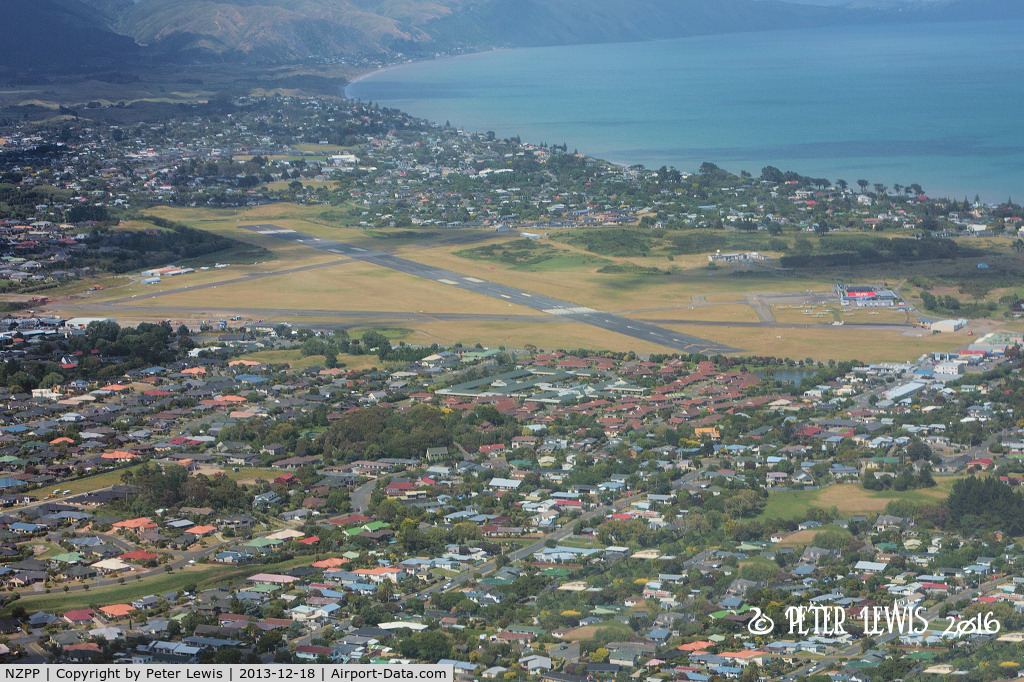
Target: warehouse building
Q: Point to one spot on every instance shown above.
(947, 326)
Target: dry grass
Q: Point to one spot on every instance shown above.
(851, 498)
(544, 335)
(826, 343)
(584, 285)
(589, 631)
(806, 537)
(573, 277)
(725, 298)
(732, 312)
(831, 312)
(350, 285)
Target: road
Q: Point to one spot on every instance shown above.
(564, 310)
(360, 497)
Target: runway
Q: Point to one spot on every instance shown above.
(636, 329)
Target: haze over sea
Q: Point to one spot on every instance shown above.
(940, 105)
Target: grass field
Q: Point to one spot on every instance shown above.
(81, 485)
(155, 582)
(347, 286)
(324, 148)
(731, 312)
(806, 537)
(827, 342)
(833, 312)
(584, 285)
(758, 561)
(57, 600)
(243, 475)
(544, 335)
(589, 631)
(850, 498)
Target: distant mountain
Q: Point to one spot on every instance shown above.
(65, 35)
(274, 30)
(282, 30)
(958, 10)
(72, 34)
(513, 23)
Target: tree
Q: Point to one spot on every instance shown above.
(743, 504)
(385, 591)
(863, 184)
(917, 449)
(51, 379)
(772, 174)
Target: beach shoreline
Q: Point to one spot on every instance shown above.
(547, 94)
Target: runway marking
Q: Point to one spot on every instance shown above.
(575, 310)
(448, 281)
(474, 280)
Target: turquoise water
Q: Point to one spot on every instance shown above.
(939, 105)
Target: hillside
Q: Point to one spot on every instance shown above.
(50, 35)
(76, 34)
(277, 30)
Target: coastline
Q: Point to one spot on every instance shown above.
(436, 58)
(948, 157)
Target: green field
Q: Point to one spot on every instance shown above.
(205, 577)
(82, 485)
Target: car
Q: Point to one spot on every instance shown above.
(67, 492)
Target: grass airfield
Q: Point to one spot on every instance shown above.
(761, 310)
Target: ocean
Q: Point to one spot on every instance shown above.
(938, 105)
